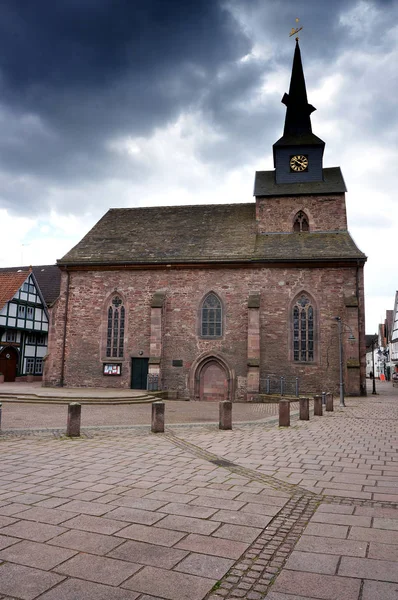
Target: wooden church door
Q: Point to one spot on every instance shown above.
(139, 373)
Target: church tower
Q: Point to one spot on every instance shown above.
(302, 222)
(299, 184)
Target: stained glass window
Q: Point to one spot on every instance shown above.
(303, 330)
(211, 325)
(115, 329)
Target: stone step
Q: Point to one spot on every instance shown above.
(37, 399)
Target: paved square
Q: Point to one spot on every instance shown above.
(305, 513)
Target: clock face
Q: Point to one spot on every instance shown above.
(299, 162)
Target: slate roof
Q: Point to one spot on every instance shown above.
(332, 183)
(10, 282)
(202, 233)
(308, 139)
(307, 246)
(48, 278)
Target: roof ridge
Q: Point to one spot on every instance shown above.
(221, 204)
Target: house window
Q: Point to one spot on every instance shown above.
(28, 287)
(21, 311)
(30, 366)
(301, 222)
(115, 329)
(41, 340)
(29, 312)
(11, 336)
(31, 339)
(303, 330)
(39, 366)
(211, 316)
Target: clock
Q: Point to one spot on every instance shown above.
(299, 162)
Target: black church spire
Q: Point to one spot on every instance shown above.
(298, 153)
(297, 121)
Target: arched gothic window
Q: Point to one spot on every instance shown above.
(211, 316)
(303, 330)
(301, 222)
(115, 329)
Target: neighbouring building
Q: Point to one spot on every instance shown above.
(371, 355)
(210, 300)
(26, 297)
(394, 333)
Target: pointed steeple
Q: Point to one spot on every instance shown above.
(298, 153)
(297, 121)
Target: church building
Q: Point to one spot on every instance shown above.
(212, 302)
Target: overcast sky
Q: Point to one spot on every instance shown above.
(114, 103)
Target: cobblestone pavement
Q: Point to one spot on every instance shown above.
(305, 513)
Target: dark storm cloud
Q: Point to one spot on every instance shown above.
(75, 75)
(88, 71)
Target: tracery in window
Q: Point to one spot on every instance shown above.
(303, 330)
(301, 222)
(115, 329)
(211, 316)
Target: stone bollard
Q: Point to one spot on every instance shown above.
(318, 406)
(284, 413)
(157, 417)
(74, 418)
(329, 402)
(225, 415)
(324, 398)
(304, 409)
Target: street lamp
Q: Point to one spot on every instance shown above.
(351, 338)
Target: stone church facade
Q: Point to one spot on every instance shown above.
(209, 300)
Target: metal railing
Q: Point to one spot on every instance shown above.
(280, 384)
(152, 384)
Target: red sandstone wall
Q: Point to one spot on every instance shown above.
(325, 213)
(185, 289)
(52, 363)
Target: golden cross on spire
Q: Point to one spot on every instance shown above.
(294, 31)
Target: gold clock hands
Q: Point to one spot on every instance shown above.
(299, 162)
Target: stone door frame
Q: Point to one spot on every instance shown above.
(196, 370)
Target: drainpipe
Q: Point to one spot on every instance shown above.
(362, 388)
(65, 326)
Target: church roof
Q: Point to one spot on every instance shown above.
(332, 183)
(219, 233)
(325, 245)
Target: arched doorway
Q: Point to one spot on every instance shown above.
(211, 379)
(8, 363)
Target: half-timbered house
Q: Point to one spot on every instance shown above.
(24, 320)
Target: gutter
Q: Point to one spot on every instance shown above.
(65, 328)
